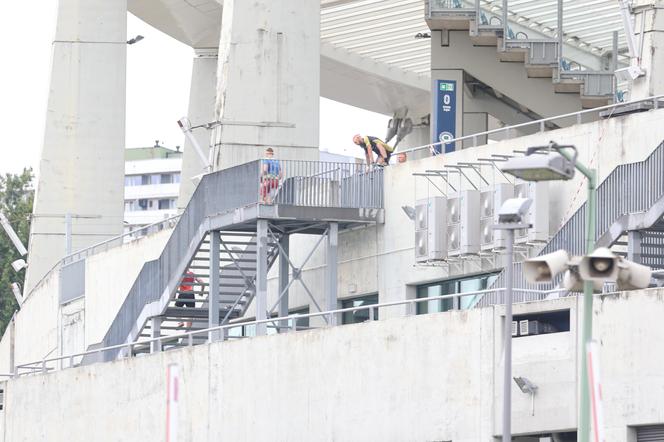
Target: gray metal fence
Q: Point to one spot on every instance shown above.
(305, 183)
(322, 184)
(630, 188)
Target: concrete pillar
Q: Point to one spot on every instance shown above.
(202, 94)
(81, 169)
(269, 72)
(650, 17)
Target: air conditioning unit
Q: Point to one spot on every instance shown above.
(430, 233)
(490, 202)
(527, 327)
(463, 223)
(538, 214)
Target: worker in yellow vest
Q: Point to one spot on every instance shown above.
(372, 145)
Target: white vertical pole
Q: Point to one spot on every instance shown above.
(261, 276)
(596, 392)
(331, 273)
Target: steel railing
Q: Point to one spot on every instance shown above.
(630, 188)
(321, 184)
(105, 245)
(223, 331)
(267, 181)
(507, 131)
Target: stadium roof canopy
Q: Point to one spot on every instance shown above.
(385, 30)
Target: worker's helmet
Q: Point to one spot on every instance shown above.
(357, 139)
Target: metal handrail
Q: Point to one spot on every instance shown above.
(86, 252)
(40, 365)
(542, 123)
(69, 258)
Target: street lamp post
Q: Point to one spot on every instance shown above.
(560, 165)
(510, 218)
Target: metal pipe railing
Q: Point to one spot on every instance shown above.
(540, 123)
(42, 366)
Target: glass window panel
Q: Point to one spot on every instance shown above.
(166, 178)
(176, 177)
(358, 315)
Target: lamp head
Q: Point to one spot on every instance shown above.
(549, 167)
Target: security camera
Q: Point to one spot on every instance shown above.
(632, 276)
(545, 268)
(513, 210)
(19, 265)
(184, 123)
(600, 265)
(629, 73)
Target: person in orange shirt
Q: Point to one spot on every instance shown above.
(186, 294)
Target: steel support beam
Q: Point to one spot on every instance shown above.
(283, 279)
(634, 248)
(213, 297)
(155, 332)
(331, 272)
(261, 275)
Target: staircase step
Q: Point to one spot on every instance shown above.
(193, 313)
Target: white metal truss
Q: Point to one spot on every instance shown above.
(384, 30)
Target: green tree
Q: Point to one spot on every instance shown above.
(16, 196)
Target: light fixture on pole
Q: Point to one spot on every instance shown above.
(531, 168)
(135, 40)
(527, 387)
(510, 218)
(19, 265)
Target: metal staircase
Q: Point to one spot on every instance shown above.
(237, 283)
(227, 239)
(541, 57)
(630, 209)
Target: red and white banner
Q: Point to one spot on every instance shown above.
(172, 401)
(595, 391)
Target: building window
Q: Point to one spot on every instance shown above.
(143, 204)
(166, 204)
(176, 177)
(355, 317)
(450, 287)
(540, 323)
(166, 178)
(132, 180)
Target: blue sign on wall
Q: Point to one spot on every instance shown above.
(445, 115)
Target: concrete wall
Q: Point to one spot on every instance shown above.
(423, 378)
(84, 134)
(44, 328)
(381, 259)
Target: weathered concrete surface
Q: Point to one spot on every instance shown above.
(423, 378)
(84, 135)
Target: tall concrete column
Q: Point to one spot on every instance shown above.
(650, 15)
(81, 169)
(268, 78)
(202, 95)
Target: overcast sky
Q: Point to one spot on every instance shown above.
(158, 75)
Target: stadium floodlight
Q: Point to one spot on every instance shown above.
(187, 130)
(549, 167)
(12, 235)
(544, 268)
(135, 39)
